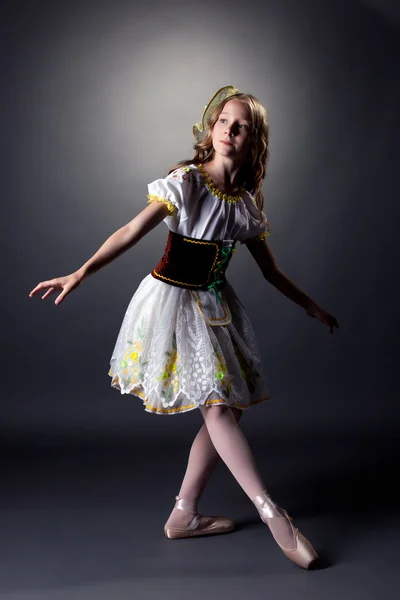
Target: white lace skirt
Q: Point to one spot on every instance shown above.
(168, 354)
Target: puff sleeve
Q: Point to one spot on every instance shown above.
(257, 225)
(173, 191)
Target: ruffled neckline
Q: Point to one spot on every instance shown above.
(214, 190)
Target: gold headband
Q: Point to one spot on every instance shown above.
(225, 92)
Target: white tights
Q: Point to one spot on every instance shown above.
(219, 437)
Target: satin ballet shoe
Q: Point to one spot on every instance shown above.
(217, 525)
(292, 543)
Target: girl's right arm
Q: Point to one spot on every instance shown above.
(119, 242)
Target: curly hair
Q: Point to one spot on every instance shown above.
(253, 171)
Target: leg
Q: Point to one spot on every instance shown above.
(203, 458)
(232, 446)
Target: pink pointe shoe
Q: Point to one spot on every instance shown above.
(217, 525)
(292, 543)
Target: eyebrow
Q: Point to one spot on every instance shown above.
(226, 113)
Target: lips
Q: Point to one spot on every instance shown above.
(227, 143)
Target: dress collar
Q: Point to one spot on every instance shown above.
(214, 190)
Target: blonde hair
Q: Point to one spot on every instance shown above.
(253, 171)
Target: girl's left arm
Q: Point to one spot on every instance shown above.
(266, 260)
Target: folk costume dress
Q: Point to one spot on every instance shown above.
(185, 339)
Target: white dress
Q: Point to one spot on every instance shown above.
(178, 348)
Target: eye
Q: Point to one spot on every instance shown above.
(222, 120)
(245, 126)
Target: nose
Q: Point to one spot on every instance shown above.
(229, 130)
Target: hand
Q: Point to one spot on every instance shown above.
(67, 284)
(315, 311)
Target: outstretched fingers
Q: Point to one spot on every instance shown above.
(44, 284)
(66, 284)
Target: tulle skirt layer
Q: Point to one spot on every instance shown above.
(168, 355)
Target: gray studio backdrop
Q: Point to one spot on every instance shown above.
(99, 99)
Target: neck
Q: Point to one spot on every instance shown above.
(224, 172)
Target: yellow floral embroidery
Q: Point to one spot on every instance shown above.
(170, 374)
(132, 363)
(137, 345)
(178, 174)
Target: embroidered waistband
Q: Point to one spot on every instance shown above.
(193, 263)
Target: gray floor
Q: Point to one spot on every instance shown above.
(85, 521)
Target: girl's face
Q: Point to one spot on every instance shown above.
(231, 135)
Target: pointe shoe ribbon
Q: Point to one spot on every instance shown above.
(291, 541)
(217, 525)
(184, 505)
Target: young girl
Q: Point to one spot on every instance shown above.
(186, 341)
